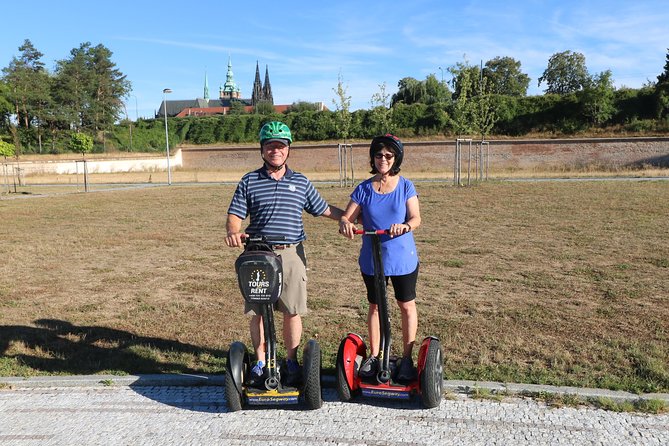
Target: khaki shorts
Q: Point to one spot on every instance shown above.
(293, 298)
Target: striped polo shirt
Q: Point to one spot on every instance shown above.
(275, 206)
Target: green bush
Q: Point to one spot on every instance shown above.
(640, 125)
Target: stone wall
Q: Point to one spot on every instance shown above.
(96, 165)
(438, 156)
(431, 157)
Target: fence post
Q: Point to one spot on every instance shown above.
(345, 158)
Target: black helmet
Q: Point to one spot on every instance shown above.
(392, 143)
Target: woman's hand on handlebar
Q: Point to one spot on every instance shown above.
(397, 229)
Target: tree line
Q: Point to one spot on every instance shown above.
(42, 111)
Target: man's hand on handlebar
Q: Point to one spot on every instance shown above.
(234, 239)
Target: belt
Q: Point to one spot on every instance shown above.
(284, 246)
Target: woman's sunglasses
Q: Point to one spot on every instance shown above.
(387, 156)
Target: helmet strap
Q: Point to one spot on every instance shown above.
(273, 169)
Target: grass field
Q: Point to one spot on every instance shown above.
(548, 282)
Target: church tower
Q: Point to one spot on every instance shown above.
(267, 88)
(206, 87)
(230, 90)
(257, 88)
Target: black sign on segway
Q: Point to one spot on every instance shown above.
(260, 276)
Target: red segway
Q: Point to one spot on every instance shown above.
(260, 276)
(352, 352)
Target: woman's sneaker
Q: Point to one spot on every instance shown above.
(406, 371)
(369, 367)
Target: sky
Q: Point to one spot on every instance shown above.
(309, 45)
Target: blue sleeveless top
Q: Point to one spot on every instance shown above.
(379, 211)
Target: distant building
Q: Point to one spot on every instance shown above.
(227, 93)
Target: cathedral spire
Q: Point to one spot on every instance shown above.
(257, 88)
(206, 87)
(267, 88)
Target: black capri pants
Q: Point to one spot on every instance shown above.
(404, 286)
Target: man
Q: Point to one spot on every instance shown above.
(274, 198)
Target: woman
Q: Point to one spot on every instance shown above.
(388, 201)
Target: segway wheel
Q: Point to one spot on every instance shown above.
(236, 368)
(343, 388)
(432, 376)
(312, 375)
(232, 396)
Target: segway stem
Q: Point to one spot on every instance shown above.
(381, 298)
(267, 313)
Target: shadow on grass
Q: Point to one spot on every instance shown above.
(660, 161)
(59, 347)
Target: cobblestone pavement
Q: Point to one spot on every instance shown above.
(197, 415)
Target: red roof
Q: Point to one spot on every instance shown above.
(210, 111)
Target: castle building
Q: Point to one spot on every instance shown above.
(227, 93)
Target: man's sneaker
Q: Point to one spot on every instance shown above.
(293, 373)
(406, 371)
(258, 374)
(369, 367)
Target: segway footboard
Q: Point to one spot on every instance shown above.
(274, 397)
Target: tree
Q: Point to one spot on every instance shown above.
(300, 106)
(380, 112)
(464, 82)
(566, 73)
(662, 91)
(504, 77)
(483, 110)
(263, 108)
(20, 75)
(6, 149)
(80, 143)
(664, 76)
(110, 87)
(238, 108)
(342, 107)
(29, 88)
(597, 98)
(409, 91)
(6, 109)
(91, 88)
(412, 91)
(466, 79)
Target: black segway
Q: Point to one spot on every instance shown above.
(352, 352)
(260, 277)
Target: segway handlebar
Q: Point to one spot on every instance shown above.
(372, 232)
(262, 238)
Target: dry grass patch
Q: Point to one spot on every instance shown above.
(555, 283)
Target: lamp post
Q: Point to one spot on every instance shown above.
(167, 138)
(442, 74)
(129, 124)
(136, 109)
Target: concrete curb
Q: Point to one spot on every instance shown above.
(454, 386)
(469, 387)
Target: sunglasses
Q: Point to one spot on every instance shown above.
(387, 156)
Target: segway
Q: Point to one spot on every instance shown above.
(352, 352)
(260, 277)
